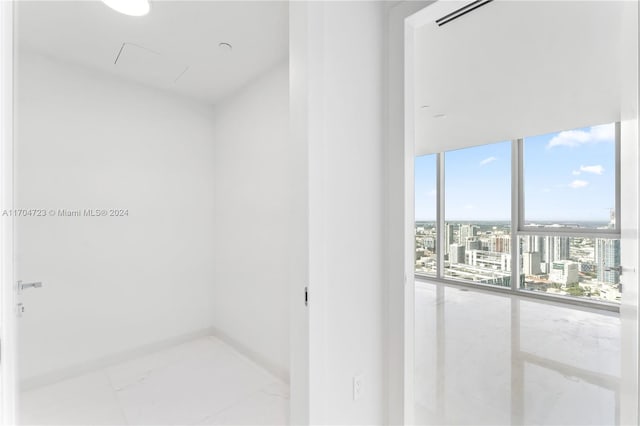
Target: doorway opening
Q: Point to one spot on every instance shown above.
(150, 213)
(523, 145)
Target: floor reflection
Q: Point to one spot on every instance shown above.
(496, 359)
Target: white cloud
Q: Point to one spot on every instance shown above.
(596, 170)
(546, 190)
(578, 183)
(432, 193)
(469, 206)
(575, 172)
(487, 161)
(574, 138)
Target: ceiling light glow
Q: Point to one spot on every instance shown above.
(129, 7)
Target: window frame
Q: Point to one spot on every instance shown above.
(518, 230)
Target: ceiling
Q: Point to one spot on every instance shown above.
(511, 69)
(175, 47)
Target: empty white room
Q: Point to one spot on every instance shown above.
(153, 143)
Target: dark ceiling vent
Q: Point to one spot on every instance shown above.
(461, 12)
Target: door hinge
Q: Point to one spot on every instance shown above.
(306, 296)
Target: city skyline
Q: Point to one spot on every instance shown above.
(481, 253)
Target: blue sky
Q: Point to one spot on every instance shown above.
(568, 176)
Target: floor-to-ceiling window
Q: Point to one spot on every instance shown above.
(536, 215)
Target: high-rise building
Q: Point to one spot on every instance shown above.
(472, 243)
(533, 243)
(561, 247)
(607, 255)
(564, 272)
(448, 237)
(500, 243)
(531, 263)
(430, 243)
(553, 249)
(612, 218)
(456, 253)
(467, 231)
(489, 260)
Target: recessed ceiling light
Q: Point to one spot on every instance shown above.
(129, 7)
(225, 46)
(425, 106)
(440, 116)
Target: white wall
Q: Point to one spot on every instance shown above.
(111, 284)
(399, 243)
(8, 321)
(253, 213)
(344, 87)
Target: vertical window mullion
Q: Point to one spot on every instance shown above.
(516, 213)
(440, 214)
(618, 174)
(520, 176)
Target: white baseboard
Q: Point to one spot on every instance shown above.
(108, 361)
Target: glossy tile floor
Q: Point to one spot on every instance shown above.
(485, 359)
(203, 382)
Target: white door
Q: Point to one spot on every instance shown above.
(8, 321)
